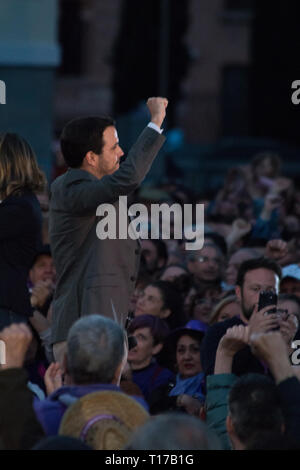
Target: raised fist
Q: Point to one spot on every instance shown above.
(157, 107)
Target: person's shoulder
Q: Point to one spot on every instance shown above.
(167, 373)
(222, 327)
(72, 175)
(20, 202)
(229, 322)
(145, 371)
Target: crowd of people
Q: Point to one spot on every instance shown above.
(197, 362)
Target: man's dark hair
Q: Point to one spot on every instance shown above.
(82, 135)
(158, 327)
(254, 406)
(171, 300)
(183, 282)
(161, 249)
(273, 441)
(218, 240)
(257, 263)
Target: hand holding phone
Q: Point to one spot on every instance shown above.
(268, 298)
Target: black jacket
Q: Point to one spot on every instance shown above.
(244, 361)
(19, 427)
(20, 239)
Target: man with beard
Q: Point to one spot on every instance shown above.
(254, 276)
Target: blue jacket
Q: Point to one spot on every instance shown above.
(151, 377)
(50, 411)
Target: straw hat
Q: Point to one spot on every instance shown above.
(104, 420)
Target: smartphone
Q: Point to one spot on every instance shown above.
(268, 298)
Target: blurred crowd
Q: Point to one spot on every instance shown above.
(209, 368)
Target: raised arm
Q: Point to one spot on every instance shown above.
(83, 192)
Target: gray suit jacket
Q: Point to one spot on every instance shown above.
(93, 275)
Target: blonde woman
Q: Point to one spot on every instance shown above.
(227, 308)
(20, 225)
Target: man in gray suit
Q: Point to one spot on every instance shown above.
(93, 275)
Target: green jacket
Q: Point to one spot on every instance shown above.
(218, 388)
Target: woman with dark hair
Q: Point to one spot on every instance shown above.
(150, 333)
(161, 299)
(20, 225)
(187, 392)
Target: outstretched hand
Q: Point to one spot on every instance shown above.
(288, 328)
(17, 338)
(271, 348)
(241, 227)
(267, 345)
(261, 321)
(235, 338)
(276, 249)
(157, 107)
(53, 377)
(40, 293)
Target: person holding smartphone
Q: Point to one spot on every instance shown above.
(254, 277)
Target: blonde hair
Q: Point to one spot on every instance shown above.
(19, 170)
(216, 311)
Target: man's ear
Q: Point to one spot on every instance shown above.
(238, 292)
(65, 370)
(118, 372)
(229, 425)
(157, 348)
(121, 366)
(89, 158)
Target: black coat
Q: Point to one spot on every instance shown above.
(20, 239)
(19, 427)
(244, 361)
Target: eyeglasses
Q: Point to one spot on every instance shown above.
(204, 259)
